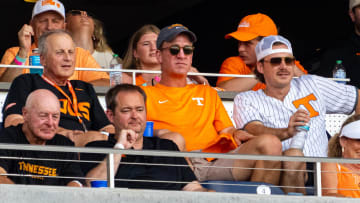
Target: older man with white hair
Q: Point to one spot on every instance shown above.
(41, 120)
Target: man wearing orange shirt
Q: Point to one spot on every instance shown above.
(47, 15)
(197, 113)
(250, 31)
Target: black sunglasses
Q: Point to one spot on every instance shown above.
(78, 12)
(175, 49)
(275, 61)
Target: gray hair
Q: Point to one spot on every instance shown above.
(43, 38)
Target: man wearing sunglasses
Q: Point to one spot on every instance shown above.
(250, 31)
(197, 113)
(288, 102)
(47, 15)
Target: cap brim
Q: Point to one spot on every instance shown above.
(241, 36)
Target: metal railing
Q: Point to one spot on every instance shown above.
(134, 72)
(110, 154)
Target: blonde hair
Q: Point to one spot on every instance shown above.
(99, 39)
(130, 61)
(334, 147)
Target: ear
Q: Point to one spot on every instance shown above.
(342, 141)
(260, 67)
(24, 113)
(42, 60)
(110, 115)
(352, 15)
(136, 55)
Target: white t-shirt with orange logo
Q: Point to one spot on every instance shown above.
(319, 95)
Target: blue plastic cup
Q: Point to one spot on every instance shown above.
(99, 183)
(149, 129)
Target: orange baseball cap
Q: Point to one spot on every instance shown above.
(252, 26)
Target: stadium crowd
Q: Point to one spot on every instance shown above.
(272, 110)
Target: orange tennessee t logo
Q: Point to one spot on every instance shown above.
(50, 2)
(306, 102)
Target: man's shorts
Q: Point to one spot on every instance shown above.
(213, 170)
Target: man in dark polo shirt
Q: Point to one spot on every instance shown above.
(41, 120)
(126, 110)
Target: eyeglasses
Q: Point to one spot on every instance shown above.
(275, 61)
(175, 49)
(79, 12)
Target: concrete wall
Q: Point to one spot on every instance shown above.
(38, 194)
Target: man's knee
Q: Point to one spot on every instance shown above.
(177, 138)
(269, 145)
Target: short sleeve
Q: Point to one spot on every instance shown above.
(232, 65)
(8, 58)
(85, 60)
(16, 97)
(244, 111)
(338, 98)
(98, 116)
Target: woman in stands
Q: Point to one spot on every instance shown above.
(141, 54)
(343, 180)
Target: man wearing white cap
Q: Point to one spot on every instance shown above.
(280, 107)
(47, 15)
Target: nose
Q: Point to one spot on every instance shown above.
(134, 114)
(67, 56)
(181, 53)
(153, 46)
(49, 120)
(83, 13)
(241, 46)
(282, 63)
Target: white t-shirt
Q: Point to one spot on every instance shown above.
(322, 96)
(103, 58)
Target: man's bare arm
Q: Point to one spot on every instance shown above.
(238, 84)
(297, 119)
(24, 37)
(13, 120)
(257, 128)
(127, 138)
(4, 179)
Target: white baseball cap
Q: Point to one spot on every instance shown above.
(42, 6)
(351, 130)
(264, 47)
(353, 3)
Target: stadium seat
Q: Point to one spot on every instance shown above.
(242, 187)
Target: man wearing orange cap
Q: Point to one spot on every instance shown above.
(251, 30)
(47, 15)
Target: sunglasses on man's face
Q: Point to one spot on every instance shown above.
(275, 61)
(175, 49)
(78, 12)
